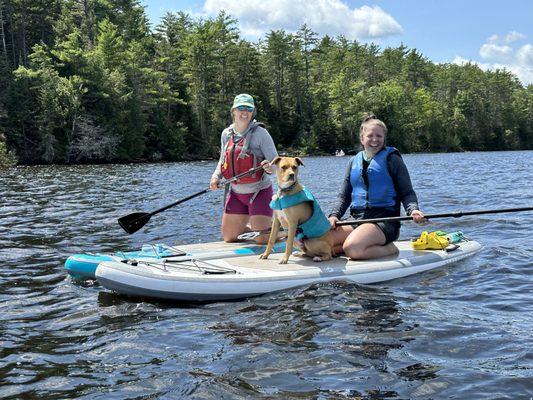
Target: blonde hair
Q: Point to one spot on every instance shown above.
(368, 121)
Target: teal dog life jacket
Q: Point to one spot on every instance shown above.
(316, 226)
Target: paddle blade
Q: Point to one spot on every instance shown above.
(131, 223)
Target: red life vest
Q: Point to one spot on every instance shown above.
(237, 161)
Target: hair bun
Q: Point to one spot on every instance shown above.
(368, 117)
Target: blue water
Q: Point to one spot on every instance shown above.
(461, 332)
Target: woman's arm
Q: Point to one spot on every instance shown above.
(344, 197)
(402, 180)
(217, 174)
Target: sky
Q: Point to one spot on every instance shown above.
(491, 33)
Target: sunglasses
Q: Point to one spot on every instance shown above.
(245, 108)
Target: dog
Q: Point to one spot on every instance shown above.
(296, 209)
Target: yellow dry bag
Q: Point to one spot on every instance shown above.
(430, 241)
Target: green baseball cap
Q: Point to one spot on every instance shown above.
(243, 99)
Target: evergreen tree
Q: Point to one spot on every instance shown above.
(87, 80)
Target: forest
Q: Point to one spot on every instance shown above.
(85, 81)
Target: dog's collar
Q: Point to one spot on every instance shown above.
(288, 189)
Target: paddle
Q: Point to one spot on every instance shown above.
(131, 223)
(455, 214)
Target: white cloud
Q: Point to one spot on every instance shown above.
(493, 39)
(513, 36)
(331, 17)
(501, 56)
(524, 55)
(490, 50)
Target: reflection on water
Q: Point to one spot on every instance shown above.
(333, 333)
(459, 332)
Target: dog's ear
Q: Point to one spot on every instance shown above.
(299, 161)
(276, 160)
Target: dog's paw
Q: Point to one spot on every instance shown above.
(263, 256)
(317, 259)
(299, 254)
(284, 260)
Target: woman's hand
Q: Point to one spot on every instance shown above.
(213, 183)
(266, 166)
(418, 216)
(333, 222)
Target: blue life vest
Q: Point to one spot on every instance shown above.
(316, 226)
(381, 191)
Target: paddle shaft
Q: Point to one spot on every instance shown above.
(455, 214)
(192, 196)
(131, 223)
(223, 183)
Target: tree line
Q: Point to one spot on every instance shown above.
(91, 81)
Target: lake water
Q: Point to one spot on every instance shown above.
(462, 332)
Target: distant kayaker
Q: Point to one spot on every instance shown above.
(245, 144)
(376, 181)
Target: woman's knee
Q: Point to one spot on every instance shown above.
(354, 250)
(260, 222)
(230, 238)
(391, 249)
(232, 226)
(230, 235)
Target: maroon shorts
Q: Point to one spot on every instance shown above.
(240, 203)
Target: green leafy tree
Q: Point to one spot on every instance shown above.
(278, 60)
(209, 77)
(87, 80)
(57, 106)
(7, 157)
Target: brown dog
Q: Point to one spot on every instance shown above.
(297, 210)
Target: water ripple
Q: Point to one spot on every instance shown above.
(458, 332)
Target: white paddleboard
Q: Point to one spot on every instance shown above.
(248, 276)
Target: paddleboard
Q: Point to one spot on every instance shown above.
(83, 266)
(247, 276)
